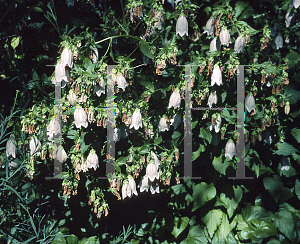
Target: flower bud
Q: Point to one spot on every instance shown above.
(287, 108)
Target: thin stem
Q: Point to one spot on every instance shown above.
(111, 37)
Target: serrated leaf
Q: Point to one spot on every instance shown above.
(15, 42)
(297, 188)
(296, 133)
(285, 149)
(212, 220)
(196, 235)
(203, 193)
(179, 225)
(284, 222)
(205, 134)
(145, 49)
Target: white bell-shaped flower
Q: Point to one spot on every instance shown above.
(288, 18)
(209, 28)
(121, 81)
(84, 166)
(216, 77)
(99, 88)
(67, 57)
(217, 125)
(117, 134)
(136, 120)
(285, 165)
(126, 189)
(132, 185)
(72, 98)
(53, 129)
(61, 154)
(296, 3)
(154, 159)
(267, 138)
(92, 160)
(61, 74)
(95, 55)
(239, 44)
(212, 99)
(250, 103)
(176, 121)
(154, 189)
(34, 146)
(215, 45)
(279, 41)
(70, 2)
(80, 118)
(175, 99)
(152, 171)
(182, 26)
(230, 150)
(91, 117)
(163, 125)
(11, 146)
(225, 37)
(144, 184)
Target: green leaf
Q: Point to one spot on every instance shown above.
(263, 229)
(274, 186)
(196, 235)
(196, 154)
(296, 133)
(60, 240)
(297, 188)
(158, 140)
(203, 193)
(194, 124)
(176, 134)
(224, 227)
(145, 49)
(15, 42)
(212, 220)
(285, 149)
(180, 225)
(296, 157)
(178, 189)
(223, 95)
(121, 161)
(285, 223)
(219, 165)
(255, 212)
(273, 241)
(240, 7)
(205, 134)
(293, 58)
(91, 240)
(72, 239)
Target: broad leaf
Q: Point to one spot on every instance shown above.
(285, 223)
(203, 193)
(180, 225)
(212, 220)
(196, 235)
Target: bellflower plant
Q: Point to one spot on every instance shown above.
(144, 184)
(99, 88)
(279, 41)
(72, 98)
(151, 171)
(61, 74)
(212, 99)
(53, 129)
(163, 125)
(61, 154)
(182, 26)
(34, 146)
(121, 81)
(136, 120)
(296, 3)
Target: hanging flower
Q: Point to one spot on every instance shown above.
(144, 184)
(267, 138)
(175, 99)
(11, 146)
(225, 37)
(132, 185)
(151, 171)
(230, 149)
(239, 44)
(121, 81)
(91, 117)
(217, 125)
(70, 3)
(72, 98)
(176, 121)
(116, 134)
(279, 41)
(250, 103)
(154, 160)
(296, 3)
(99, 88)
(84, 166)
(285, 165)
(61, 154)
(95, 55)
(154, 189)
(288, 18)
(215, 45)
(53, 129)
(136, 120)
(163, 125)
(67, 57)
(182, 26)
(216, 77)
(34, 145)
(80, 117)
(209, 28)
(212, 99)
(126, 190)
(92, 160)
(287, 107)
(61, 74)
